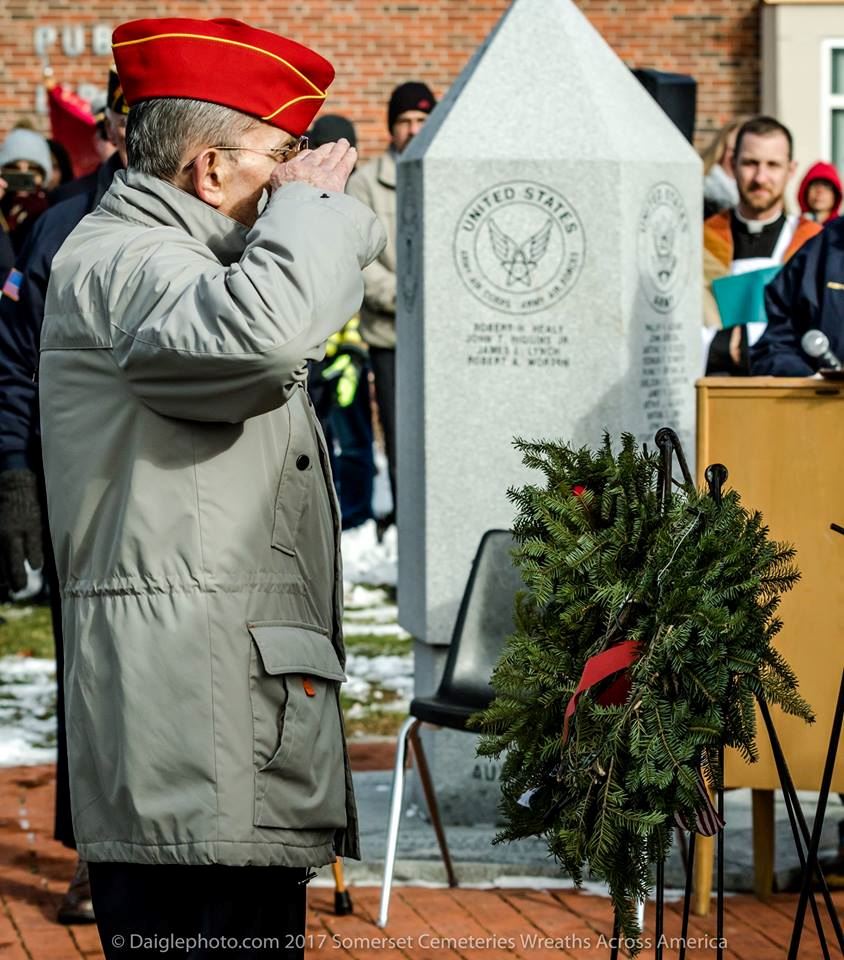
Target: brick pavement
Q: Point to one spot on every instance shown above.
(425, 923)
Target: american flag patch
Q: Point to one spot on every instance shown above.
(12, 286)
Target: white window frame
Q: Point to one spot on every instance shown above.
(829, 101)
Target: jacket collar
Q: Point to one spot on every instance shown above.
(137, 196)
(105, 175)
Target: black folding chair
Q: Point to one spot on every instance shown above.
(484, 622)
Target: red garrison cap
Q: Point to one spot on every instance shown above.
(226, 62)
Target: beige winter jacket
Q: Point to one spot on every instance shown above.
(195, 527)
(375, 185)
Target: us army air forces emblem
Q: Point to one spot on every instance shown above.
(519, 247)
(663, 247)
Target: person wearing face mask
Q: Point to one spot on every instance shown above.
(23, 526)
(24, 153)
(753, 238)
(191, 505)
(375, 185)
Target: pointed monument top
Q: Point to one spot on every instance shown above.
(546, 84)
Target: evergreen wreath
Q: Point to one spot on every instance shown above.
(695, 587)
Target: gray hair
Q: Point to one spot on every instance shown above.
(161, 132)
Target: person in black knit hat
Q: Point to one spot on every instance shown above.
(375, 185)
(339, 385)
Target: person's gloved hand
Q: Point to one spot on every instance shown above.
(20, 526)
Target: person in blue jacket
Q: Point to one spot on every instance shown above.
(24, 532)
(808, 294)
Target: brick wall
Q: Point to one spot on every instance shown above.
(716, 41)
(376, 44)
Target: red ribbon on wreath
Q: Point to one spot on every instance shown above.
(617, 659)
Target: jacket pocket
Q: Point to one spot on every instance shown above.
(300, 777)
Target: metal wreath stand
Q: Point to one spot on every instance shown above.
(806, 844)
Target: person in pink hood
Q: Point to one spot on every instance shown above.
(820, 193)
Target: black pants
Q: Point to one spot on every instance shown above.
(355, 468)
(143, 909)
(383, 363)
(63, 831)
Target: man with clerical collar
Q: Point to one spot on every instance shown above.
(751, 240)
(191, 507)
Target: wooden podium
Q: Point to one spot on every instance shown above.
(782, 441)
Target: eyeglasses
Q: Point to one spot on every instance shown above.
(279, 154)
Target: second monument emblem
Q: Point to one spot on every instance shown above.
(663, 247)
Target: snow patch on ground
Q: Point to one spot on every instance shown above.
(27, 711)
(387, 614)
(367, 561)
(363, 600)
(393, 672)
(374, 630)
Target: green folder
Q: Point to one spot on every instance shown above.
(741, 299)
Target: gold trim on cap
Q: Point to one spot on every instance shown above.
(290, 103)
(235, 43)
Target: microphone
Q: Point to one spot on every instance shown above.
(816, 344)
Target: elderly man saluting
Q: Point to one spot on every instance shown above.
(193, 518)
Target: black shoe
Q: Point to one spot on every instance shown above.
(342, 903)
(77, 906)
(383, 524)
